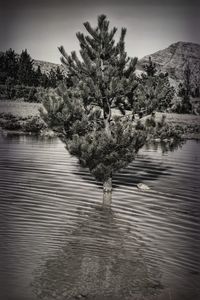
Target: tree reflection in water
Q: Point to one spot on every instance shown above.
(99, 261)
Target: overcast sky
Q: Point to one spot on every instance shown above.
(41, 26)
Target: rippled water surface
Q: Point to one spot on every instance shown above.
(57, 240)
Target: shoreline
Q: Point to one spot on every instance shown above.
(48, 133)
(23, 118)
(45, 134)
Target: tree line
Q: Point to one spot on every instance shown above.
(20, 70)
(19, 79)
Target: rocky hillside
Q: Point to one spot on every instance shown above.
(174, 60)
(46, 66)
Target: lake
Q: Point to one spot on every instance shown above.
(57, 241)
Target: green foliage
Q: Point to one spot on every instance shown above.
(105, 75)
(161, 129)
(19, 69)
(153, 92)
(37, 77)
(59, 75)
(19, 79)
(10, 122)
(185, 92)
(33, 125)
(103, 80)
(104, 154)
(26, 124)
(52, 79)
(15, 92)
(8, 66)
(25, 71)
(150, 68)
(9, 88)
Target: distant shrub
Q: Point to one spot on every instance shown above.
(34, 124)
(2, 92)
(31, 94)
(182, 105)
(22, 92)
(27, 124)
(38, 96)
(9, 88)
(25, 92)
(11, 124)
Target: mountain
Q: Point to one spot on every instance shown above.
(46, 66)
(174, 59)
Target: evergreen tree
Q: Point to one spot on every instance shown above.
(150, 68)
(9, 88)
(44, 81)
(153, 91)
(59, 75)
(11, 63)
(38, 77)
(25, 71)
(8, 66)
(67, 80)
(84, 114)
(52, 79)
(197, 92)
(196, 87)
(185, 91)
(3, 71)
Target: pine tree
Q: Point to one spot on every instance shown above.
(25, 71)
(153, 91)
(3, 71)
(150, 68)
(52, 78)
(37, 76)
(44, 81)
(103, 82)
(59, 75)
(185, 91)
(8, 66)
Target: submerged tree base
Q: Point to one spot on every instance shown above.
(107, 198)
(107, 192)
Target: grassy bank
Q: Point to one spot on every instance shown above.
(187, 124)
(21, 117)
(20, 109)
(24, 117)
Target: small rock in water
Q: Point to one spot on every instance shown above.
(143, 187)
(81, 296)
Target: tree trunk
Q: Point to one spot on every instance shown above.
(107, 192)
(107, 127)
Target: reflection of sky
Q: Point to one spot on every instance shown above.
(41, 26)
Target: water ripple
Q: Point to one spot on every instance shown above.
(48, 202)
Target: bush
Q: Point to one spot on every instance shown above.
(31, 94)
(182, 105)
(34, 124)
(9, 88)
(11, 123)
(25, 93)
(26, 124)
(39, 95)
